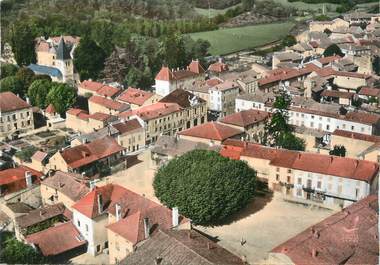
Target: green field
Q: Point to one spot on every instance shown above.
(213, 12)
(224, 41)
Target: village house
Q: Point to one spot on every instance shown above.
(217, 68)
(115, 218)
(321, 26)
(168, 147)
(131, 134)
(62, 187)
(85, 158)
(286, 59)
(222, 97)
(53, 118)
(350, 82)
(89, 88)
(80, 121)
(307, 177)
(370, 95)
(181, 247)
(39, 160)
(92, 136)
(355, 143)
(55, 57)
(340, 97)
(201, 88)
(173, 113)
(168, 80)
(19, 178)
(352, 234)
(106, 105)
(59, 243)
(211, 133)
(247, 80)
(137, 98)
(252, 122)
(16, 115)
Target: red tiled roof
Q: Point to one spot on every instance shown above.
(369, 91)
(135, 96)
(329, 59)
(99, 116)
(325, 72)
(100, 89)
(75, 112)
(83, 115)
(50, 109)
(213, 82)
(309, 162)
(11, 102)
(57, 239)
(127, 126)
(246, 117)
(347, 237)
(196, 67)
(153, 111)
(212, 131)
(108, 103)
(361, 117)
(90, 85)
(357, 136)
(218, 67)
(165, 74)
(352, 74)
(17, 174)
(337, 94)
(88, 153)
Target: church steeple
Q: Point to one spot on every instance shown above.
(63, 52)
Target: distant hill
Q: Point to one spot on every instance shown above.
(215, 4)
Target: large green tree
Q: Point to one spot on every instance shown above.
(38, 92)
(62, 96)
(338, 150)
(25, 75)
(206, 187)
(8, 70)
(89, 59)
(333, 50)
(13, 84)
(172, 50)
(13, 251)
(22, 42)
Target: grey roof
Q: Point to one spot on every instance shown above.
(19, 207)
(40, 215)
(258, 96)
(171, 146)
(101, 133)
(181, 247)
(63, 53)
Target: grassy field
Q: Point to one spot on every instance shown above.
(224, 41)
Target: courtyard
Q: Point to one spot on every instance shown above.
(253, 232)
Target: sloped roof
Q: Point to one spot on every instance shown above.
(357, 136)
(196, 67)
(50, 109)
(67, 184)
(127, 126)
(165, 74)
(39, 156)
(108, 103)
(181, 247)
(40, 215)
(181, 97)
(245, 118)
(212, 131)
(46, 70)
(17, 174)
(88, 153)
(135, 96)
(347, 237)
(63, 53)
(153, 111)
(57, 239)
(11, 102)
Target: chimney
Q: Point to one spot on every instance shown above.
(314, 253)
(28, 178)
(146, 227)
(158, 260)
(100, 203)
(175, 217)
(118, 211)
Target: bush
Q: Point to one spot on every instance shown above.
(206, 187)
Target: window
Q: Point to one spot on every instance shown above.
(98, 248)
(277, 169)
(352, 127)
(327, 127)
(299, 181)
(344, 126)
(319, 184)
(78, 223)
(356, 193)
(277, 177)
(288, 179)
(299, 192)
(289, 171)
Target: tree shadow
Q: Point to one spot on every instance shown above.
(256, 204)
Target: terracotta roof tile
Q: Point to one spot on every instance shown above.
(50, 109)
(11, 102)
(181, 97)
(369, 91)
(127, 126)
(196, 67)
(100, 89)
(39, 156)
(135, 96)
(153, 111)
(109, 103)
(58, 239)
(347, 237)
(165, 74)
(357, 136)
(246, 117)
(16, 177)
(212, 131)
(40, 215)
(88, 153)
(337, 94)
(218, 67)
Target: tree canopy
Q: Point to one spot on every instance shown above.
(62, 96)
(89, 59)
(38, 92)
(278, 132)
(22, 42)
(13, 84)
(206, 187)
(333, 50)
(338, 150)
(8, 70)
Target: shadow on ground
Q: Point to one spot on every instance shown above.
(132, 160)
